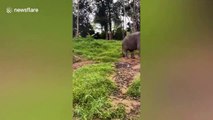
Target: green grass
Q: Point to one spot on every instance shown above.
(91, 91)
(135, 88)
(91, 83)
(98, 50)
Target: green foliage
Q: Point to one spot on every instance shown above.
(89, 37)
(91, 92)
(103, 35)
(119, 112)
(135, 88)
(119, 34)
(98, 50)
(103, 14)
(92, 87)
(85, 26)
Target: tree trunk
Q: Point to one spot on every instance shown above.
(110, 23)
(107, 37)
(106, 31)
(77, 31)
(123, 34)
(134, 16)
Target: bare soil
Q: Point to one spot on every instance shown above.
(80, 62)
(126, 70)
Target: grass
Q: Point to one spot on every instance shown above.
(98, 50)
(92, 86)
(91, 92)
(135, 89)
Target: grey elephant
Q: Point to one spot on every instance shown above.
(131, 43)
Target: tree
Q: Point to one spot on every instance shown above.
(103, 16)
(133, 11)
(77, 23)
(111, 17)
(128, 9)
(81, 20)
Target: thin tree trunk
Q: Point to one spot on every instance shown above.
(110, 23)
(123, 19)
(77, 31)
(106, 31)
(134, 16)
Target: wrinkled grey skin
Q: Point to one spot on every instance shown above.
(131, 43)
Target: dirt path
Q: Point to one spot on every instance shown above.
(80, 62)
(126, 71)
